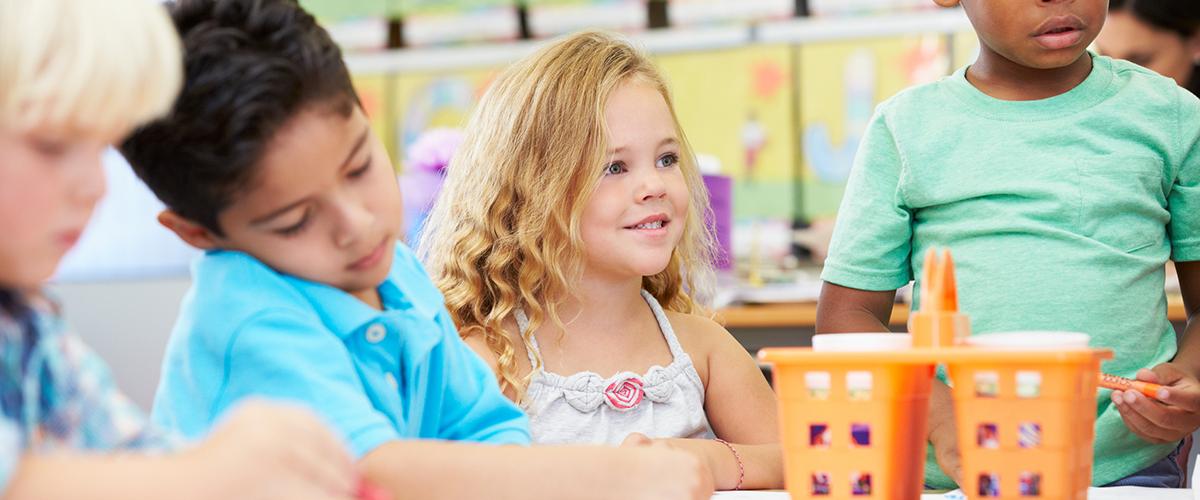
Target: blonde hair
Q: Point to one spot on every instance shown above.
(504, 232)
(87, 66)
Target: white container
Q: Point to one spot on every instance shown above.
(859, 342)
(1037, 340)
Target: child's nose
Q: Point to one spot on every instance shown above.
(353, 221)
(652, 186)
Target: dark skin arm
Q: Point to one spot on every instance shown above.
(1178, 413)
(848, 310)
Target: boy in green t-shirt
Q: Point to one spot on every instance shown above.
(1063, 182)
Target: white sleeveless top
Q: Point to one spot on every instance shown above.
(585, 408)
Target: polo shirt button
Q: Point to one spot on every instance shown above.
(376, 333)
(391, 380)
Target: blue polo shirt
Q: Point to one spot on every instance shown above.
(246, 330)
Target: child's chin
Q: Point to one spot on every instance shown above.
(652, 268)
(372, 278)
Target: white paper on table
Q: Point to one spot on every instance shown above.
(751, 495)
(1119, 493)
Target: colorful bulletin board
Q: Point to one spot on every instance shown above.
(449, 6)
(737, 105)
(435, 22)
(423, 101)
(341, 10)
(841, 83)
(548, 18)
(374, 92)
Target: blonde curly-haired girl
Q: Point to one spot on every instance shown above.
(569, 241)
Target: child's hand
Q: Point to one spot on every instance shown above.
(943, 432)
(636, 439)
(1178, 414)
(269, 451)
(656, 470)
(944, 437)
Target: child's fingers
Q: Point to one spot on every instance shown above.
(324, 474)
(951, 466)
(1140, 425)
(947, 458)
(329, 452)
(1161, 374)
(1184, 398)
(636, 439)
(368, 491)
(1175, 420)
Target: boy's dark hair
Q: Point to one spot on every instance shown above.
(1180, 16)
(249, 66)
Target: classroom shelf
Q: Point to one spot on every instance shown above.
(821, 29)
(804, 314)
(673, 40)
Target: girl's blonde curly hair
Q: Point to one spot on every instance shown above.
(504, 232)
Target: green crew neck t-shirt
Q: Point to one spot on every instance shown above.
(1060, 212)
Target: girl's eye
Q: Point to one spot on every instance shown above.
(50, 148)
(614, 168)
(360, 171)
(668, 160)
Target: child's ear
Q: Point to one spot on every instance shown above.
(946, 3)
(1194, 46)
(190, 232)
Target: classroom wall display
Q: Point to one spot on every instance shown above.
(697, 12)
(360, 25)
(438, 22)
(736, 105)
(374, 92)
(865, 7)
(338, 10)
(424, 105)
(841, 83)
(429, 100)
(555, 17)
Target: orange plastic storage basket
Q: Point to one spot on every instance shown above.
(1025, 421)
(853, 424)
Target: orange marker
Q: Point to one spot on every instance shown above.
(1116, 383)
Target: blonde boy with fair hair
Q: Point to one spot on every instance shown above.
(75, 76)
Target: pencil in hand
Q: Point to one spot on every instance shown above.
(1116, 383)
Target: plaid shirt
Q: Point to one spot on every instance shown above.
(56, 394)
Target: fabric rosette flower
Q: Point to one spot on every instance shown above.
(624, 394)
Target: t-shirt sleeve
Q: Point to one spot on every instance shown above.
(475, 409)
(10, 451)
(480, 412)
(105, 418)
(280, 355)
(872, 238)
(1184, 200)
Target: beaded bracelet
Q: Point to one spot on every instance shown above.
(738, 457)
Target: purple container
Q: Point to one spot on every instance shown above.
(720, 198)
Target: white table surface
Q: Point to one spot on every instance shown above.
(1121, 493)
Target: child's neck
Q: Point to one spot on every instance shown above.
(608, 329)
(1004, 79)
(370, 297)
(601, 300)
